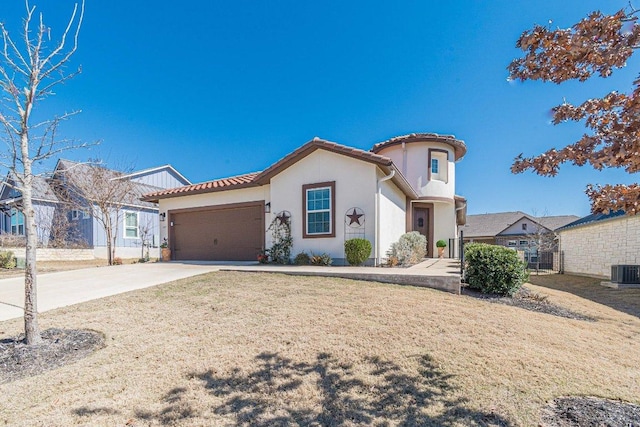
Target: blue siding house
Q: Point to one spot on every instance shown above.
(57, 207)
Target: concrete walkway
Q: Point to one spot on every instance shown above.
(71, 287)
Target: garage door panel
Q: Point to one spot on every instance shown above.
(234, 234)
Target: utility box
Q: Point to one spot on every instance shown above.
(21, 262)
(625, 274)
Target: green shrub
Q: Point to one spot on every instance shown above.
(7, 259)
(493, 269)
(322, 259)
(302, 259)
(441, 244)
(409, 249)
(357, 250)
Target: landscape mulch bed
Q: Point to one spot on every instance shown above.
(528, 300)
(59, 347)
(590, 412)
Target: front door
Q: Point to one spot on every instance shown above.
(421, 224)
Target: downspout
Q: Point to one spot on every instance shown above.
(378, 196)
(404, 158)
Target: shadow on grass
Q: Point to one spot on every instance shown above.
(176, 408)
(624, 300)
(281, 392)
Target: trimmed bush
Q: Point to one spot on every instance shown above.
(494, 269)
(302, 258)
(409, 249)
(357, 251)
(322, 259)
(441, 244)
(7, 259)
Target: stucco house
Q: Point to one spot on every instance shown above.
(592, 244)
(328, 193)
(52, 205)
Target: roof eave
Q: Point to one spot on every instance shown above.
(155, 198)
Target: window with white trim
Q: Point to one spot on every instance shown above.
(434, 166)
(438, 165)
(17, 222)
(319, 215)
(131, 225)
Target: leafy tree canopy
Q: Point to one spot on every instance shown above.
(596, 45)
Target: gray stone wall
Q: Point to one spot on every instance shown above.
(51, 254)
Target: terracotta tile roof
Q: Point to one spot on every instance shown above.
(264, 177)
(458, 145)
(313, 145)
(245, 180)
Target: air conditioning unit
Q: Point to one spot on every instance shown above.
(625, 274)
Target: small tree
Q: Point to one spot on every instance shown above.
(145, 231)
(105, 194)
(598, 44)
(30, 69)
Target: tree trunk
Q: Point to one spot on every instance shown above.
(31, 328)
(108, 233)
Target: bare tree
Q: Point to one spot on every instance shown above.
(540, 238)
(103, 194)
(146, 231)
(30, 68)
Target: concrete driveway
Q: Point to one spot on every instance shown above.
(72, 287)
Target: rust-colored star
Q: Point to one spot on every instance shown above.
(354, 217)
(283, 218)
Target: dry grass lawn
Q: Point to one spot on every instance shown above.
(264, 349)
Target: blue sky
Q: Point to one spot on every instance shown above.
(220, 88)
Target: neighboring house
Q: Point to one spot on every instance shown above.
(328, 193)
(516, 230)
(591, 245)
(54, 198)
(11, 218)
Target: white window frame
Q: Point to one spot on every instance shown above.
(307, 188)
(126, 227)
(441, 158)
(315, 211)
(76, 215)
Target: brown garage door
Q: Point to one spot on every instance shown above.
(218, 234)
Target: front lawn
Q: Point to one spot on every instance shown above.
(268, 349)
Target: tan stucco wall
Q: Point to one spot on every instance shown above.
(444, 225)
(417, 167)
(593, 249)
(393, 216)
(355, 183)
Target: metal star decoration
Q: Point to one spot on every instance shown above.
(283, 218)
(354, 217)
